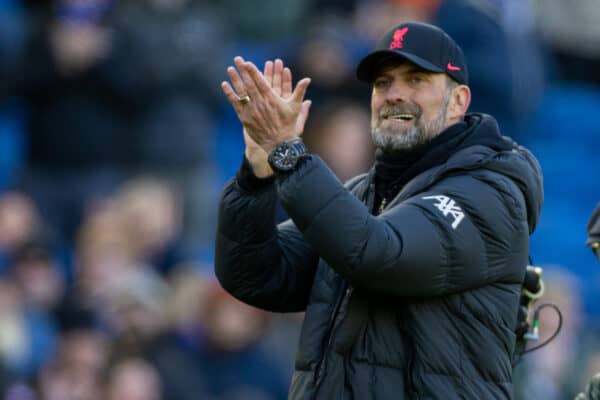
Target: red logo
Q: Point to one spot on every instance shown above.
(398, 38)
(452, 67)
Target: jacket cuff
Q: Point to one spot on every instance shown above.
(248, 181)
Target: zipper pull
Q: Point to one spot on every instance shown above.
(382, 206)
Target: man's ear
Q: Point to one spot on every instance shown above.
(459, 102)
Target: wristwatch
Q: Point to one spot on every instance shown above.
(285, 155)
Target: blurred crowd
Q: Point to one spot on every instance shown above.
(115, 142)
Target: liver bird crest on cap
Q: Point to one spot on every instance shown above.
(398, 38)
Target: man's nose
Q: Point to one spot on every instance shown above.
(398, 92)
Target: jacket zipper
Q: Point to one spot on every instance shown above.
(411, 382)
(322, 365)
(411, 362)
(344, 291)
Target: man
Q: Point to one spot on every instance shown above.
(409, 275)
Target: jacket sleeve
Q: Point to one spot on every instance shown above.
(461, 234)
(268, 266)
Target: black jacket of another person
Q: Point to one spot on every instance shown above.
(418, 302)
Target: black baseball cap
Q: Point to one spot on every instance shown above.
(425, 45)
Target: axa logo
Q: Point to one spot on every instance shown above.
(398, 38)
(448, 207)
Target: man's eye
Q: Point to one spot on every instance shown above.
(416, 79)
(379, 83)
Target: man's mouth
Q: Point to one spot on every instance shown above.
(402, 117)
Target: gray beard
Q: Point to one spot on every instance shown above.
(393, 140)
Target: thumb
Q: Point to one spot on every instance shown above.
(300, 90)
(303, 116)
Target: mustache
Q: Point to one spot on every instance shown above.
(391, 109)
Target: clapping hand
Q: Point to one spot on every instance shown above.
(269, 109)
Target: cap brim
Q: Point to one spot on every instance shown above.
(368, 65)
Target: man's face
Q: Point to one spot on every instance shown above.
(408, 106)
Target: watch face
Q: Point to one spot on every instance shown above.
(284, 157)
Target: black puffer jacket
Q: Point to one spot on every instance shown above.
(419, 302)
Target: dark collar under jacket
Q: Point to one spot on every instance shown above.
(394, 170)
(480, 145)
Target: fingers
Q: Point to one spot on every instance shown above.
(303, 116)
(275, 79)
(255, 82)
(277, 76)
(236, 81)
(268, 72)
(249, 75)
(286, 84)
(231, 96)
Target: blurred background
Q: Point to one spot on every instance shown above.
(115, 142)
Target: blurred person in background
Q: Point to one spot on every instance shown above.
(188, 302)
(338, 133)
(500, 33)
(76, 371)
(174, 128)
(171, 67)
(174, 354)
(27, 335)
(111, 276)
(334, 41)
(136, 313)
(77, 133)
(39, 276)
(152, 217)
(410, 269)
(103, 105)
(133, 379)
(575, 47)
(20, 222)
(235, 364)
(104, 259)
(215, 346)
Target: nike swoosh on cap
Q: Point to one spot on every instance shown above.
(452, 67)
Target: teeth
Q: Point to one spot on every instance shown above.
(404, 117)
